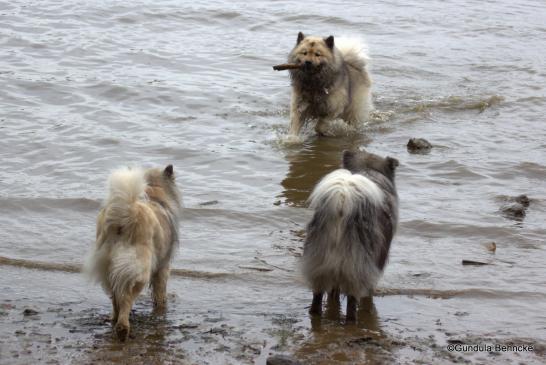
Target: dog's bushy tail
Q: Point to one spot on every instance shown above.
(127, 192)
(340, 192)
(354, 52)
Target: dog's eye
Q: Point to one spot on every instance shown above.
(317, 54)
(305, 53)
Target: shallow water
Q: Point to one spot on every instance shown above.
(88, 88)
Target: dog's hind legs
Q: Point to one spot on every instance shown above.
(159, 289)
(316, 305)
(351, 309)
(115, 310)
(333, 296)
(125, 303)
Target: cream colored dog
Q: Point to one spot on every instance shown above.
(333, 82)
(137, 233)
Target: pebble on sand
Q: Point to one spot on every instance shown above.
(282, 360)
(30, 312)
(491, 247)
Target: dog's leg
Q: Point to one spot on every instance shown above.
(316, 305)
(322, 128)
(159, 289)
(332, 309)
(295, 115)
(366, 304)
(351, 309)
(333, 296)
(125, 303)
(115, 310)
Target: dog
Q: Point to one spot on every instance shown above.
(137, 234)
(349, 236)
(332, 82)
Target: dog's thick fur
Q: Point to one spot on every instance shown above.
(349, 236)
(332, 83)
(137, 233)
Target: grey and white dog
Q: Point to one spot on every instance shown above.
(349, 236)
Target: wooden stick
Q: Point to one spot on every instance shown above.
(286, 66)
(475, 263)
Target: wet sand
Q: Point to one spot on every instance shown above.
(414, 326)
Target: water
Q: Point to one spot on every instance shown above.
(87, 88)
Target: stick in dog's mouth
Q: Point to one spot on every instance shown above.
(287, 66)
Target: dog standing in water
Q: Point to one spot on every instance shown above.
(349, 236)
(333, 82)
(137, 233)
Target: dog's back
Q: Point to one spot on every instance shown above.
(349, 236)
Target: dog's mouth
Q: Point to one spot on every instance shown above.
(310, 67)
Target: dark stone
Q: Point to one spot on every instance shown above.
(514, 210)
(419, 145)
(455, 341)
(30, 312)
(514, 207)
(282, 360)
(523, 200)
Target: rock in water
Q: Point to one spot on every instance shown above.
(514, 207)
(522, 199)
(418, 145)
(491, 247)
(30, 312)
(514, 211)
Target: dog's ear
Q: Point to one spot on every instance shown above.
(300, 38)
(329, 42)
(169, 172)
(392, 163)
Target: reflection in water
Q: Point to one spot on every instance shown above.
(362, 342)
(307, 165)
(148, 342)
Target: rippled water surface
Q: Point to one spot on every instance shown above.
(88, 87)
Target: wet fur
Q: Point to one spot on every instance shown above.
(349, 236)
(137, 232)
(333, 83)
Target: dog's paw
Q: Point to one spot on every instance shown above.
(291, 139)
(122, 331)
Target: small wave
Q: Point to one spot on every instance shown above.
(195, 274)
(457, 103)
(379, 116)
(45, 204)
(77, 268)
(307, 18)
(466, 293)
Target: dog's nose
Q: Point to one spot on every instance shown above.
(308, 64)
